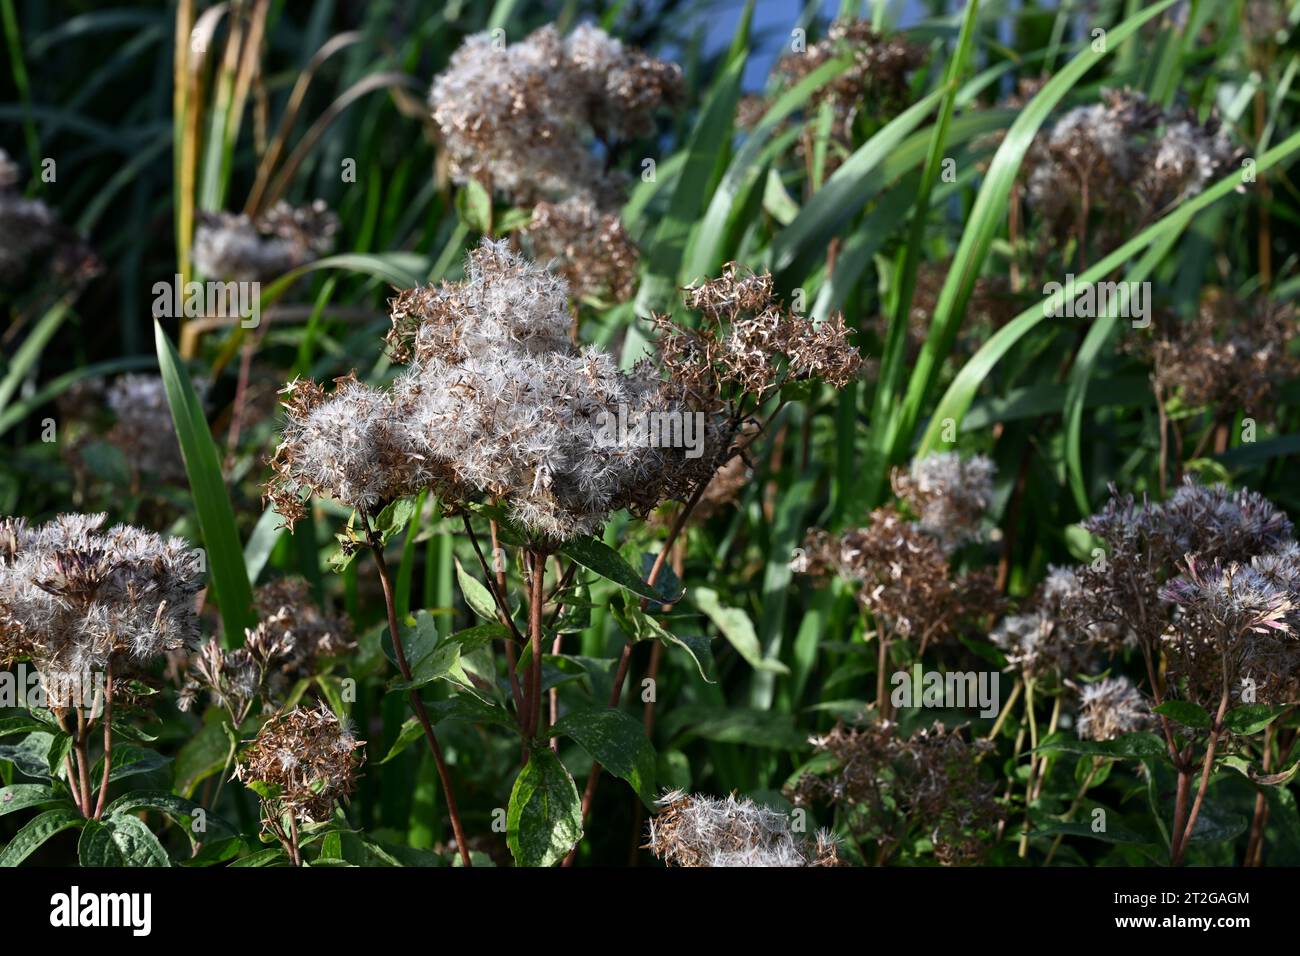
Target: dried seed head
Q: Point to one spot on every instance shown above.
(875, 85)
(883, 783)
(32, 239)
(308, 758)
(589, 249)
(236, 248)
(1231, 354)
(949, 495)
(522, 118)
(704, 831)
(1110, 708)
(903, 577)
(75, 596)
(1231, 632)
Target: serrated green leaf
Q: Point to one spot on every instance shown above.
(121, 840)
(544, 819)
(618, 742)
(38, 830)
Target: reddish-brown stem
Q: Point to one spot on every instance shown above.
(1254, 847)
(1206, 769)
(417, 705)
(536, 604)
(108, 739)
(497, 590)
(625, 661)
(83, 761)
(73, 786)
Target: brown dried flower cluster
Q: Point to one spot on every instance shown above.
(892, 785)
(949, 495)
(1042, 641)
(590, 249)
(306, 761)
(751, 344)
(1206, 576)
(291, 636)
(902, 567)
(76, 597)
(237, 248)
(875, 84)
(1230, 355)
(1124, 159)
(32, 239)
(521, 118)
(698, 831)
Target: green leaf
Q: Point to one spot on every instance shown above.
(204, 754)
(1140, 745)
(1251, 718)
(1186, 713)
(544, 819)
(1112, 833)
(708, 140)
(270, 857)
(595, 555)
(225, 557)
(177, 808)
(20, 796)
(29, 839)
(618, 742)
(961, 392)
(21, 724)
(639, 626)
(129, 760)
(428, 658)
(461, 707)
(737, 628)
(36, 755)
(475, 207)
(476, 595)
(986, 218)
(121, 840)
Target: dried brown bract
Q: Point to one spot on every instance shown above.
(522, 118)
(76, 597)
(697, 831)
(590, 249)
(1230, 355)
(306, 761)
(929, 781)
(234, 247)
